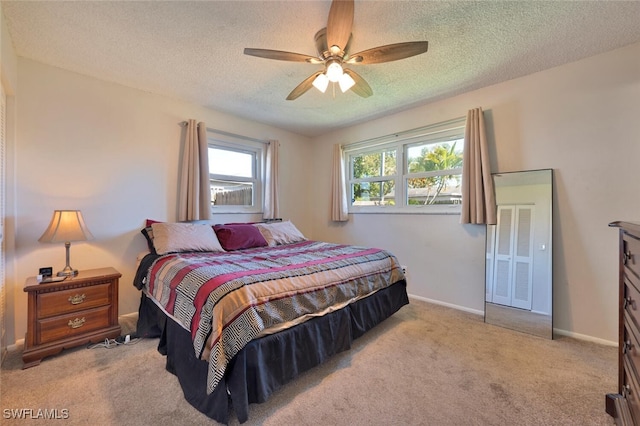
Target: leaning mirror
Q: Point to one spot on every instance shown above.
(518, 281)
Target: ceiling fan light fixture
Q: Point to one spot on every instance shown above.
(333, 51)
(321, 82)
(346, 82)
(334, 71)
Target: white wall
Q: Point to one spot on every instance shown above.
(112, 152)
(582, 120)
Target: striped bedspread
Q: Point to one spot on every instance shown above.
(228, 299)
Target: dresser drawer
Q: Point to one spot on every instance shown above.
(72, 300)
(631, 256)
(631, 344)
(73, 324)
(631, 391)
(631, 303)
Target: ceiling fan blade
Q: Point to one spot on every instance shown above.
(339, 23)
(361, 88)
(390, 52)
(303, 87)
(281, 56)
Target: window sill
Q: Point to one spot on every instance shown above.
(218, 210)
(446, 210)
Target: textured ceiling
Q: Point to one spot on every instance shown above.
(194, 50)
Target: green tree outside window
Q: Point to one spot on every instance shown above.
(432, 158)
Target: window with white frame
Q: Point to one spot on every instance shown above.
(236, 175)
(419, 171)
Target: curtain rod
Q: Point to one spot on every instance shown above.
(233, 135)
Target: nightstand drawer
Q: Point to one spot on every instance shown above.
(60, 327)
(72, 300)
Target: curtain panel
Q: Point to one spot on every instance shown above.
(194, 191)
(478, 195)
(271, 206)
(339, 206)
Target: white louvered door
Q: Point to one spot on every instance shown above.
(512, 258)
(503, 255)
(522, 277)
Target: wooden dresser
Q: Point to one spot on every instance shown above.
(624, 405)
(76, 311)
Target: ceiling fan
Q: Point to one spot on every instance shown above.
(332, 44)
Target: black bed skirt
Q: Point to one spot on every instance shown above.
(265, 364)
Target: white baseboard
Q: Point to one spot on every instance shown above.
(18, 345)
(539, 312)
(557, 331)
(448, 305)
(584, 337)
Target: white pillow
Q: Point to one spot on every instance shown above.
(177, 237)
(280, 233)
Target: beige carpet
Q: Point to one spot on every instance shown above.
(426, 365)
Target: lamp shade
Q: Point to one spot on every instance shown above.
(66, 226)
(321, 82)
(346, 82)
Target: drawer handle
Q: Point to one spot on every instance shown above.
(77, 299)
(76, 323)
(626, 347)
(626, 391)
(626, 257)
(628, 301)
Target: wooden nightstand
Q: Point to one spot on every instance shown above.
(76, 311)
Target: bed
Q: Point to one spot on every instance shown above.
(242, 309)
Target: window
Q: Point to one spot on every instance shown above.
(373, 176)
(419, 171)
(236, 175)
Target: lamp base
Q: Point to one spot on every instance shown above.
(67, 272)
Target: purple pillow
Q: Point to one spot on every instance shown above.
(239, 236)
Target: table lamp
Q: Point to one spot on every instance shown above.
(66, 226)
